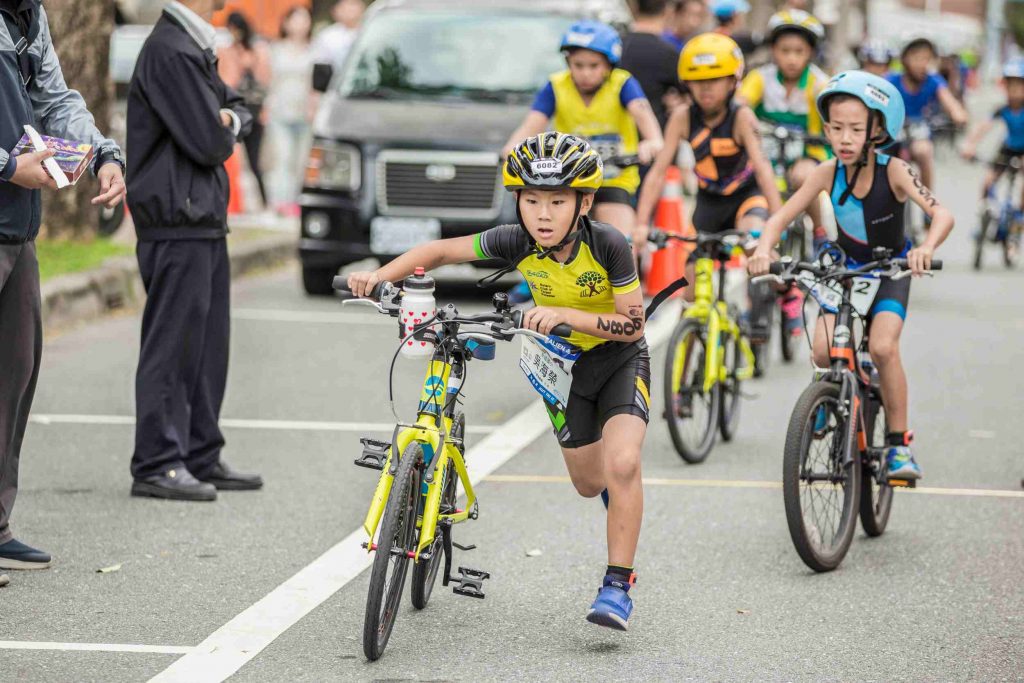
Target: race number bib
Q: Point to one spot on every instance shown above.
(548, 365)
(862, 293)
(607, 147)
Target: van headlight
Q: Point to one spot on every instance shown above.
(333, 166)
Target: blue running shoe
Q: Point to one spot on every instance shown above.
(520, 294)
(900, 464)
(820, 421)
(604, 498)
(613, 604)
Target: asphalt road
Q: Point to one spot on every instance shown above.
(721, 593)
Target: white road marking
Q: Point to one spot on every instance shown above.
(94, 647)
(981, 434)
(231, 646)
(236, 423)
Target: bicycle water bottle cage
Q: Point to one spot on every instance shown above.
(374, 454)
(470, 582)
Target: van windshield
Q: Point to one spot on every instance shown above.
(478, 55)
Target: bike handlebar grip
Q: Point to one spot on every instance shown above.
(340, 283)
(561, 330)
(777, 268)
(936, 264)
(377, 289)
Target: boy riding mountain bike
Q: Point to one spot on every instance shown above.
(1012, 115)
(603, 104)
(582, 273)
(924, 93)
(869, 190)
(783, 93)
(736, 185)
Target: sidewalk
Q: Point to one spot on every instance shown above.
(78, 298)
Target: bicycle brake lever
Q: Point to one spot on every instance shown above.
(365, 302)
(908, 273)
(768, 277)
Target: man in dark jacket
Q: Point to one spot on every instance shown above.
(32, 92)
(183, 122)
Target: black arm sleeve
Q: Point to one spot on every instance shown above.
(505, 242)
(613, 252)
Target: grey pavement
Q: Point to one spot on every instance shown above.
(721, 594)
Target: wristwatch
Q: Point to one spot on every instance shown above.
(110, 155)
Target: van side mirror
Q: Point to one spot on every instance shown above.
(322, 74)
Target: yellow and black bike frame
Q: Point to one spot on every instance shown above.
(714, 315)
(433, 432)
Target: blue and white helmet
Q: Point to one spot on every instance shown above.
(593, 35)
(1014, 68)
(875, 51)
(727, 9)
(877, 94)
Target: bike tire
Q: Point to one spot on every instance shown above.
(729, 415)
(398, 528)
(424, 574)
(875, 498)
(786, 340)
(692, 445)
(979, 240)
(1011, 248)
(800, 439)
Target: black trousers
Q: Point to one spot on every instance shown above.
(183, 363)
(21, 348)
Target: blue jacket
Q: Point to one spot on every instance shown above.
(48, 105)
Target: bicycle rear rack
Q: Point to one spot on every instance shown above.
(374, 454)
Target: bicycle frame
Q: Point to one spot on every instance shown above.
(432, 430)
(713, 313)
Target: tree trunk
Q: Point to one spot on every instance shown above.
(81, 36)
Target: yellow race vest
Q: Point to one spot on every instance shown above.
(605, 123)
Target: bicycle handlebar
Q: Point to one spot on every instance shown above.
(789, 268)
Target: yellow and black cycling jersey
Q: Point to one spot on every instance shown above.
(601, 265)
(765, 93)
(605, 122)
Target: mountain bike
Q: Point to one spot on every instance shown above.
(709, 353)
(1001, 218)
(834, 458)
(413, 509)
(783, 146)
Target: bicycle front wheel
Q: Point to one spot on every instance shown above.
(691, 412)
(820, 492)
(729, 416)
(875, 497)
(391, 562)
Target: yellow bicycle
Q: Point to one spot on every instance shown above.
(709, 353)
(414, 505)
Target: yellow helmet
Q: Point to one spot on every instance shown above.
(553, 161)
(709, 56)
(796, 21)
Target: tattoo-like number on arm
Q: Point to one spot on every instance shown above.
(627, 329)
(923, 191)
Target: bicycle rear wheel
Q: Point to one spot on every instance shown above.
(729, 415)
(787, 339)
(691, 413)
(875, 498)
(820, 493)
(424, 574)
(397, 536)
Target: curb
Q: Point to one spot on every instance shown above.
(79, 298)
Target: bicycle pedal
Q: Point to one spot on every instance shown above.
(902, 483)
(470, 582)
(374, 454)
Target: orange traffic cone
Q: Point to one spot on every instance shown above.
(669, 264)
(236, 201)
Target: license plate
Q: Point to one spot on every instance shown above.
(390, 235)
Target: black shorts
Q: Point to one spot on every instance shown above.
(611, 379)
(893, 296)
(721, 212)
(1005, 156)
(613, 195)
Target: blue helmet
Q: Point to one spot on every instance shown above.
(877, 94)
(593, 35)
(727, 9)
(1014, 68)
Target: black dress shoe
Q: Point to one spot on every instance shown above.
(227, 479)
(176, 484)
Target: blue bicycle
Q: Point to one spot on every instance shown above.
(1001, 219)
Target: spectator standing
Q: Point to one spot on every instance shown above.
(183, 123)
(244, 65)
(332, 43)
(291, 107)
(651, 60)
(32, 92)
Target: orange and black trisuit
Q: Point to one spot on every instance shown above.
(728, 189)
